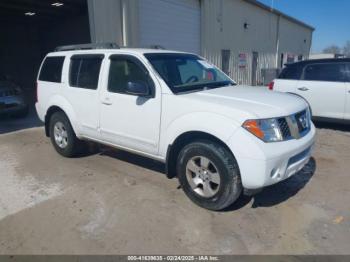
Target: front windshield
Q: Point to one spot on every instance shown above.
(186, 72)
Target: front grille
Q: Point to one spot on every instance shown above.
(294, 126)
(283, 124)
(6, 93)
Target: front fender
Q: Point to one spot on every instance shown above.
(214, 124)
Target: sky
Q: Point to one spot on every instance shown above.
(330, 18)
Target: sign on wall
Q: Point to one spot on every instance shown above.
(242, 60)
(290, 58)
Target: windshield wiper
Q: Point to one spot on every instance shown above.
(206, 86)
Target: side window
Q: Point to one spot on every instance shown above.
(331, 72)
(51, 70)
(85, 71)
(123, 70)
(292, 72)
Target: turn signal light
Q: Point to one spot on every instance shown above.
(253, 127)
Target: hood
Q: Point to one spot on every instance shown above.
(255, 102)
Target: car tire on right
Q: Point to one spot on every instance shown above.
(209, 174)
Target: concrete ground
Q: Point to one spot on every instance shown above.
(117, 203)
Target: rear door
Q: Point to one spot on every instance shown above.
(323, 86)
(81, 91)
(347, 83)
(288, 79)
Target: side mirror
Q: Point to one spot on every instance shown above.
(138, 88)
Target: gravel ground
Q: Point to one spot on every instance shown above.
(113, 202)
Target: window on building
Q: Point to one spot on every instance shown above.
(123, 70)
(85, 71)
(51, 70)
(332, 72)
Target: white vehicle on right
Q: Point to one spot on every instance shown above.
(324, 83)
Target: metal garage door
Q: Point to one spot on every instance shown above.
(173, 24)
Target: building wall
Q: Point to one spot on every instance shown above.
(294, 39)
(235, 25)
(223, 28)
(114, 21)
(173, 24)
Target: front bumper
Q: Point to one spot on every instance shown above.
(263, 164)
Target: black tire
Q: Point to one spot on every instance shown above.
(74, 145)
(230, 186)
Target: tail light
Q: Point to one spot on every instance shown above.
(270, 85)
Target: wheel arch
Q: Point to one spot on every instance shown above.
(182, 140)
(54, 109)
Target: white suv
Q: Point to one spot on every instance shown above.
(324, 83)
(216, 137)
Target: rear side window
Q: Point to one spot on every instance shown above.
(292, 72)
(51, 70)
(85, 71)
(331, 72)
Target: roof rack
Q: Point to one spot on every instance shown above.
(87, 46)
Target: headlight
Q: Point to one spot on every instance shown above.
(309, 114)
(267, 130)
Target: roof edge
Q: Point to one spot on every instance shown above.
(277, 12)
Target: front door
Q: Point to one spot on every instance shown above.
(128, 120)
(323, 86)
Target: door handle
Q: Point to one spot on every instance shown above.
(106, 101)
(303, 88)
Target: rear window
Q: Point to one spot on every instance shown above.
(51, 70)
(331, 72)
(292, 72)
(85, 71)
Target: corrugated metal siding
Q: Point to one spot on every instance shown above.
(171, 24)
(223, 28)
(105, 21)
(218, 25)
